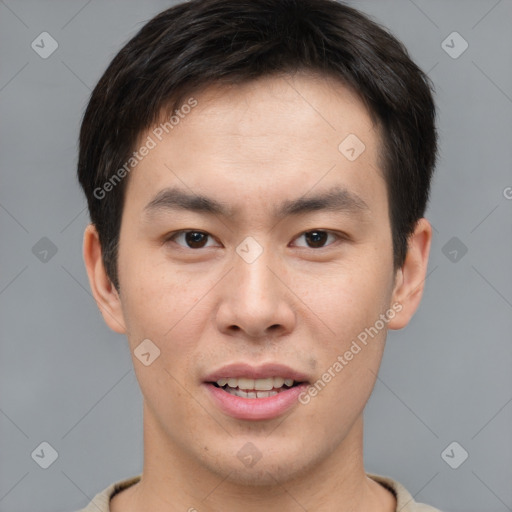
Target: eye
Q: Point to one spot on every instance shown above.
(317, 238)
(190, 239)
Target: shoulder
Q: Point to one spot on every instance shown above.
(101, 502)
(405, 502)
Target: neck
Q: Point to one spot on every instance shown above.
(175, 480)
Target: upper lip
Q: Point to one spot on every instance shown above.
(238, 370)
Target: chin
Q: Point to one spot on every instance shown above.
(252, 478)
(267, 466)
(268, 475)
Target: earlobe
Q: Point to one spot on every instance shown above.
(104, 292)
(410, 278)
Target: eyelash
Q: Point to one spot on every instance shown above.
(174, 235)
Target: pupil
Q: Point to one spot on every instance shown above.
(316, 238)
(195, 239)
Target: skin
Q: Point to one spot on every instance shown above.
(252, 147)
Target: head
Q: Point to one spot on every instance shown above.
(257, 174)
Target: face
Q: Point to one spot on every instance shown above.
(256, 256)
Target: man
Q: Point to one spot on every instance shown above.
(257, 173)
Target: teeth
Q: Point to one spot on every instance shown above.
(279, 381)
(262, 384)
(251, 394)
(255, 384)
(244, 384)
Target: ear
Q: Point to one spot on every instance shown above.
(104, 292)
(410, 278)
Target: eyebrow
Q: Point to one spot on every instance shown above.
(336, 199)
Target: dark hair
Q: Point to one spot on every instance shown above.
(203, 42)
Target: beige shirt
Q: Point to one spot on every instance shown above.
(405, 502)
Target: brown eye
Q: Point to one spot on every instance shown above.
(190, 239)
(195, 239)
(316, 238)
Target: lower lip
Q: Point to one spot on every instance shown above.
(255, 408)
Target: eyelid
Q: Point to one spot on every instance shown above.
(339, 236)
(170, 238)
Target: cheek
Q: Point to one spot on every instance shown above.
(347, 299)
(156, 298)
(346, 306)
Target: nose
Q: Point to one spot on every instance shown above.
(255, 299)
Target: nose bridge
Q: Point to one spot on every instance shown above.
(253, 279)
(253, 299)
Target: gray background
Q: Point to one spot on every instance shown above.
(66, 379)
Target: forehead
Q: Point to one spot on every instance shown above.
(262, 139)
(306, 110)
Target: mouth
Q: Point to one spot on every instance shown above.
(245, 387)
(245, 392)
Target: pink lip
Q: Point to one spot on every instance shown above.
(265, 371)
(255, 408)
